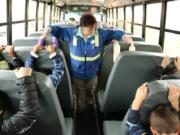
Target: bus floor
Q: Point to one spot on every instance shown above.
(86, 122)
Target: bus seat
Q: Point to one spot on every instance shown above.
(29, 41)
(141, 46)
(106, 66)
(64, 91)
(129, 71)
(135, 38)
(112, 127)
(51, 119)
(107, 58)
(33, 39)
(157, 93)
(37, 34)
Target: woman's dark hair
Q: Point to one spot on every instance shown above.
(3, 100)
(87, 20)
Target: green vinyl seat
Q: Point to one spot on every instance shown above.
(129, 71)
(43, 63)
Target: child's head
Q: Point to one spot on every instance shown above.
(164, 120)
(88, 24)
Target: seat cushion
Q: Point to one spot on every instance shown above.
(112, 127)
(69, 126)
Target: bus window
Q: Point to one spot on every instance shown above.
(137, 30)
(47, 15)
(114, 17)
(16, 15)
(31, 27)
(172, 43)
(3, 5)
(172, 40)
(3, 35)
(152, 36)
(40, 16)
(138, 15)
(18, 31)
(3, 19)
(153, 14)
(110, 16)
(32, 13)
(172, 21)
(128, 19)
(120, 18)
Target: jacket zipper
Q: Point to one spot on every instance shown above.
(85, 61)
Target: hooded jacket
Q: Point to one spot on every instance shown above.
(85, 53)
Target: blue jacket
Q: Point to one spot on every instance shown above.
(85, 53)
(57, 72)
(132, 123)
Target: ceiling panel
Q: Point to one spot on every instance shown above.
(104, 3)
(82, 2)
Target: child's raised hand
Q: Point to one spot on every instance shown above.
(10, 50)
(37, 48)
(177, 63)
(23, 71)
(2, 47)
(165, 61)
(50, 49)
(141, 94)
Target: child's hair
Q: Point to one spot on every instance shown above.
(87, 20)
(3, 102)
(164, 119)
(3, 98)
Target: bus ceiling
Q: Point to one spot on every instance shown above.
(98, 3)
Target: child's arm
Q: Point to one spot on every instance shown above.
(141, 94)
(165, 67)
(15, 60)
(173, 96)
(33, 57)
(132, 122)
(58, 69)
(1, 49)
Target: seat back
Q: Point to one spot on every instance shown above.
(141, 46)
(30, 41)
(107, 59)
(51, 119)
(64, 90)
(37, 34)
(157, 94)
(135, 38)
(63, 45)
(129, 71)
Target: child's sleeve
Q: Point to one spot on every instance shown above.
(58, 70)
(132, 123)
